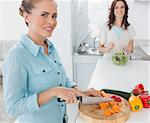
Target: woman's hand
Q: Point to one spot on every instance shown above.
(92, 92)
(129, 48)
(104, 49)
(67, 94)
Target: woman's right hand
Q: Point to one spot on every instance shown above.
(67, 94)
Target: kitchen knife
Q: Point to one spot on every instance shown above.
(91, 100)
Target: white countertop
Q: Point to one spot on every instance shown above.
(125, 77)
(108, 75)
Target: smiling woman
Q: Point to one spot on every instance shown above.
(33, 74)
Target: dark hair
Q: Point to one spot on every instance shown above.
(27, 6)
(111, 20)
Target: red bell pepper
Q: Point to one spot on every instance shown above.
(145, 98)
(139, 89)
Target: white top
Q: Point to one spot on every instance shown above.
(118, 35)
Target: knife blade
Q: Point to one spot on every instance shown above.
(95, 100)
(90, 100)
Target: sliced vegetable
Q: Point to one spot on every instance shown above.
(139, 89)
(145, 100)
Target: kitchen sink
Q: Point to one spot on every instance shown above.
(90, 51)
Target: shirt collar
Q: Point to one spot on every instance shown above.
(50, 44)
(30, 45)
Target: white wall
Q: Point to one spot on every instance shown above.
(62, 37)
(12, 26)
(149, 21)
(138, 17)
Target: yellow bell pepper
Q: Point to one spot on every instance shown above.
(135, 103)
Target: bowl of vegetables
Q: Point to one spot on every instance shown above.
(119, 58)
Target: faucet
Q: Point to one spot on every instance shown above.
(94, 46)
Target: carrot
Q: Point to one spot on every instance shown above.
(103, 105)
(107, 112)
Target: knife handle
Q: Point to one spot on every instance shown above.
(61, 100)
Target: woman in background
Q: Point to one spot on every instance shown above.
(117, 34)
(33, 74)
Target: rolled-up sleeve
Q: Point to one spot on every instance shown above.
(17, 100)
(69, 83)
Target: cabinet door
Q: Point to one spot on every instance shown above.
(84, 72)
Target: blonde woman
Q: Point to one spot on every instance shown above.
(33, 74)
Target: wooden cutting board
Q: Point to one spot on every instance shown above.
(93, 113)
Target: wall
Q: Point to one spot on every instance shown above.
(149, 21)
(138, 17)
(62, 37)
(12, 26)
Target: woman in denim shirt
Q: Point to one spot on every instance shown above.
(33, 74)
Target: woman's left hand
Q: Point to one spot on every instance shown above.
(92, 92)
(129, 48)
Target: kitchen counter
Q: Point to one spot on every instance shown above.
(109, 75)
(124, 77)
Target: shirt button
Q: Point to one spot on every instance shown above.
(43, 71)
(62, 105)
(60, 84)
(58, 73)
(50, 53)
(55, 61)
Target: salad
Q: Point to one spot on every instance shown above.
(119, 58)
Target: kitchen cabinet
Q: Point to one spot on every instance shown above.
(84, 66)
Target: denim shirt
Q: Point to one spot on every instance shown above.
(27, 71)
